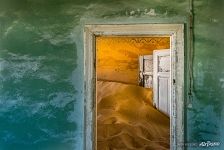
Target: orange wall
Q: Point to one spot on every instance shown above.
(117, 57)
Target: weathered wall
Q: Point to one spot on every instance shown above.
(41, 66)
(205, 119)
(117, 57)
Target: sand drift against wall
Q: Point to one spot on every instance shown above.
(126, 119)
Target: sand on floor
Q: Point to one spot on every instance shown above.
(127, 120)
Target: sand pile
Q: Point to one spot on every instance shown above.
(126, 119)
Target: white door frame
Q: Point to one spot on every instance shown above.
(176, 34)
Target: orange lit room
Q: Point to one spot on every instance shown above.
(133, 86)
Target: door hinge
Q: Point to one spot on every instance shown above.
(174, 81)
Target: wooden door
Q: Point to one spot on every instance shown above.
(161, 80)
(146, 71)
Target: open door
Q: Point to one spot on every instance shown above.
(146, 71)
(161, 80)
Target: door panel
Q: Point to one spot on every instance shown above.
(163, 96)
(164, 62)
(161, 80)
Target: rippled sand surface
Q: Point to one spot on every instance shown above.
(126, 119)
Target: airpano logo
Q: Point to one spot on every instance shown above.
(209, 144)
(201, 144)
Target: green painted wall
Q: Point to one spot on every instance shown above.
(205, 120)
(41, 67)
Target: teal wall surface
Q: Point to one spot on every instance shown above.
(205, 119)
(41, 67)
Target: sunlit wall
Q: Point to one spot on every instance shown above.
(117, 57)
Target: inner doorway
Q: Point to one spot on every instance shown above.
(154, 73)
(132, 114)
(175, 33)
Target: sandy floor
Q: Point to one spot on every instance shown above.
(126, 119)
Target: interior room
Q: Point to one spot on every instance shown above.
(132, 92)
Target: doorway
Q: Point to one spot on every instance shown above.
(126, 114)
(174, 90)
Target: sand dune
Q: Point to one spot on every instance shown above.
(126, 119)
